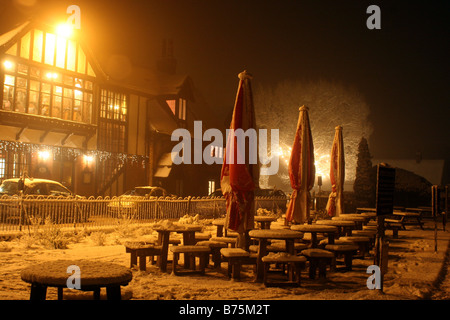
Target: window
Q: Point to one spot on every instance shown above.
(2, 167)
(172, 105)
(52, 50)
(178, 110)
(112, 122)
(37, 91)
(14, 163)
(34, 90)
(182, 109)
(211, 186)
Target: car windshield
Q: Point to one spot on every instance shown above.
(57, 190)
(9, 187)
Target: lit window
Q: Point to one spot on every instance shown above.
(71, 55)
(172, 105)
(2, 168)
(61, 44)
(81, 68)
(112, 121)
(38, 45)
(182, 109)
(50, 43)
(211, 186)
(25, 46)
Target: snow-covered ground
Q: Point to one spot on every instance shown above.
(415, 271)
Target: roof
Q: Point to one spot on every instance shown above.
(155, 83)
(432, 170)
(30, 182)
(5, 38)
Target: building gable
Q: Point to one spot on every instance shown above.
(40, 44)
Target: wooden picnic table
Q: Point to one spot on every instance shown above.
(314, 229)
(408, 218)
(188, 231)
(93, 276)
(263, 235)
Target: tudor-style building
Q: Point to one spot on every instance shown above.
(62, 117)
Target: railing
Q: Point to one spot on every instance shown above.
(22, 213)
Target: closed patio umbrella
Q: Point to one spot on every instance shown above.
(239, 177)
(335, 204)
(302, 170)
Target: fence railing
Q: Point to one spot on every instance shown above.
(19, 213)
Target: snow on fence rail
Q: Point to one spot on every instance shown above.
(19, 213)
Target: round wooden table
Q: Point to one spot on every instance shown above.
(359, 221)
(262, 235)
(92, 276)
(314, 229)
(188, 232)
(265, 221)
(344, 227)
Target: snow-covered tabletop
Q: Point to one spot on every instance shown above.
(83, 275)
(92, 273)
(313, 228)
(275, 234)
(337, 223)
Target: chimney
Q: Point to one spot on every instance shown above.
(418, 156)
(167, 62)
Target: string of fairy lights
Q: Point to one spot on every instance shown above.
(71, 153)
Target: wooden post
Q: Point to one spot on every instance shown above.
(384, 206)
(435, 210)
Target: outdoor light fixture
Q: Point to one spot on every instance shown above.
(64, 30)
(44, 155)
(88, 159)
(8, 64)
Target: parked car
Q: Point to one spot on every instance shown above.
(40, 200)
(129, 202)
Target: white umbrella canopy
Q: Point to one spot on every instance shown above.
(335, 204)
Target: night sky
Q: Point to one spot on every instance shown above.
(402, 69)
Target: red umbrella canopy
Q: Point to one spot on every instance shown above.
(239, 177)
(335, 204)
(302, 170)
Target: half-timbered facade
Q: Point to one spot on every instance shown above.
(62, 117)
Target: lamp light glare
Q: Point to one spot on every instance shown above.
(44, 155)
(8, 64)
(52, 75)
(88, 159)
(64, 30)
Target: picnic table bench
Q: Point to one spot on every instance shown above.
(406, 218)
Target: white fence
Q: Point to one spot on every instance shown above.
(17, 213)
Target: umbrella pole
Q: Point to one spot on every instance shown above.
(243, 240)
